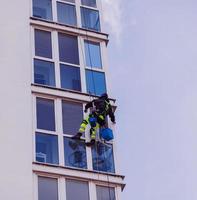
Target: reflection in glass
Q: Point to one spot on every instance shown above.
(72, 116)
(46, 148)
(42, 9)
(103, 159)
(68, 48)
(45, 114)
(77, 190)
(75, 153)
(95, 82)
(90, 19)
(91, 3)
(43, 44)
(70, 77)
(105, 193)
(66, 14)
(47, 188)
(44, 72)
(93, 54)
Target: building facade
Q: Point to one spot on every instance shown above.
(54, 60)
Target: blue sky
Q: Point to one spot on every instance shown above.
(153, 66)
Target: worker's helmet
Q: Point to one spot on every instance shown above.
(104, 96)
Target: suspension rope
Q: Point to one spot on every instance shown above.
(94, 90)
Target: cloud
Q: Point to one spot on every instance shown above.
(112, 17)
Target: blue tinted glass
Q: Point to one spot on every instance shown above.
(68, 48)
(91, 3)
(105, 193)
(42, 9)
(93, 54)
(103, 159)
(95, 82)
(72, 116)
(75, 153)
(44, 72)
(90, 19)
(43, 46)
(70, 77)
(47, 148)
(45, 114)
(66, 14)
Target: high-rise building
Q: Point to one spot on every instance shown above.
(53, 61)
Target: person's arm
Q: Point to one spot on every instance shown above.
(111, 114)
(88, 105)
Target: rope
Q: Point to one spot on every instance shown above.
(94, 89)
(108, 181)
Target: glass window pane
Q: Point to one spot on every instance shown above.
(105, 193)
(44, 72)
(68, 49)
(47, 188)
(43, 45)
(75, 153)
(70, 77)
(95, 82)
(91, 3)
(46, 148)
(103, 159)
(77, 190)
(66, 14)
(90, 19)
(42, 9)
(45, 114)
(93, 54)
(72, 116)
(71, 1)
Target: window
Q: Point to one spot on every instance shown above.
(66, 14)
(105, 193)
(75, 153)
(93, 54)
(71, 1)
(90, 19)
(103, 160)
(72, 116)
(44, 72)
(91, 3)
(47, 188)
(70, 77)
(42, 9)
(76, 190)
(45, 114)
(47, 148)
(43, 44)
(68, 49)
(95, 82)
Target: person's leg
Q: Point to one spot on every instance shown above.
(81, 129)
(93, 131)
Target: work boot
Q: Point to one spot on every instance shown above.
(77, 136)
(91, 143)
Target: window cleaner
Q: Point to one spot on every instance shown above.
(99, 109)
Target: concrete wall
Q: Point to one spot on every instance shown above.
(15, 101)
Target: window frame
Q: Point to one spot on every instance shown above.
(61, 181)
(60, 133)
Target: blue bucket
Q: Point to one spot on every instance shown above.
(107, 134)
